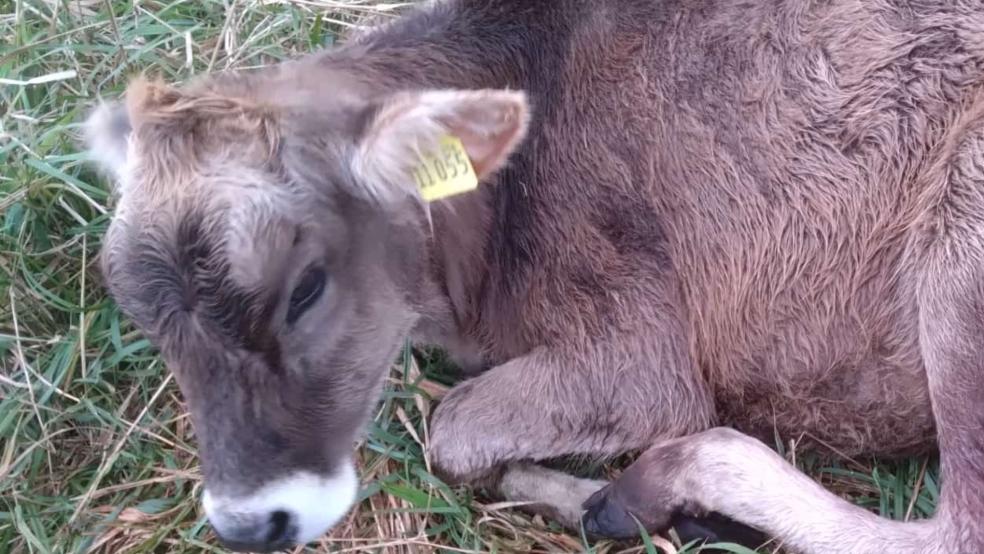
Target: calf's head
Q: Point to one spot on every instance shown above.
(276, 252)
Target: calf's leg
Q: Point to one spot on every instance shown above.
(721, 470)
(551, 493)
(951, 300)
(599, 400)
(561, 497)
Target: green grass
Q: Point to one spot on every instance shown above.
(96, 451)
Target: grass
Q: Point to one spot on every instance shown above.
(96, 451)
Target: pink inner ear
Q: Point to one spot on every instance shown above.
(490, 130)
(489, 123)
(483, 151)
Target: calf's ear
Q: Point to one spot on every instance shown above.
(407, 126)
(107, 132)
(110, 125)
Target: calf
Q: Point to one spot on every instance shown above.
(691, 214)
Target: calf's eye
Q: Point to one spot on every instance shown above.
(306, 293)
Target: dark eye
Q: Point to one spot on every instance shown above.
(307, 291)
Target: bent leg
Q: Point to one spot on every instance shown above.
(602, 401)
(724, 471)
(598, 401)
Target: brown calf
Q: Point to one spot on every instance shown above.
(766, 215)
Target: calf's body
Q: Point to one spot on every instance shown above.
(702, 181)
(764, 215)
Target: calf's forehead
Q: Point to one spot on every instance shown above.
(173, 276)
(209, 206)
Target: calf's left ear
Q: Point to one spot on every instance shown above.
(110, 125)
(107, 131)
(407, 126)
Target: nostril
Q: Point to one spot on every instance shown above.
(279, 526)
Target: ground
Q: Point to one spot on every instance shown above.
(96, 451)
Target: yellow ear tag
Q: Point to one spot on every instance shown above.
(446, 172)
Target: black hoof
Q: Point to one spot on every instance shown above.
(606, 518)
(716, 528)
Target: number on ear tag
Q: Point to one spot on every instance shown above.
(446, 172)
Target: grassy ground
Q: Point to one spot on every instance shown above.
(96, 452)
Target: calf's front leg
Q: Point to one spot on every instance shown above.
(598, 401)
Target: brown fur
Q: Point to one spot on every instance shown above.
(764, 215)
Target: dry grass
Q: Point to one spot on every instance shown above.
(96, 452)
